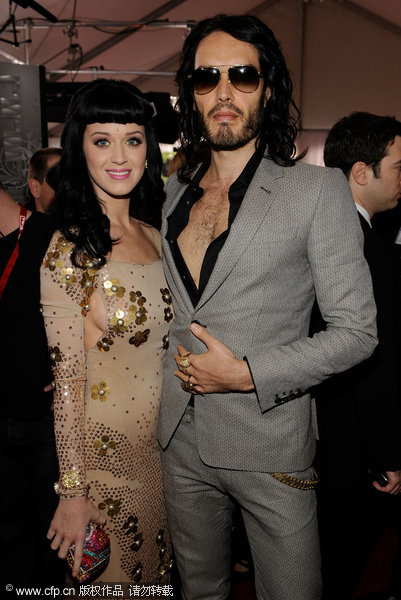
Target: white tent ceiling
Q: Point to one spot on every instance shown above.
(145, 39)
(147, 36)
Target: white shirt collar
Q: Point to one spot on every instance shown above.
(362, 211)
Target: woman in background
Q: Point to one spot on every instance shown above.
(107, 312)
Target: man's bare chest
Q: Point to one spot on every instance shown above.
(207, 220)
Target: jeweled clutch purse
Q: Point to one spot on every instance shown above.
(96, 552)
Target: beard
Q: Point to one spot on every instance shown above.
(226, 139)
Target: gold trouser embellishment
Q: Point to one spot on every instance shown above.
(296, 482)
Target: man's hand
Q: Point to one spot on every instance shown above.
(394, 483)
(217, 370)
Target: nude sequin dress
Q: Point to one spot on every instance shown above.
(106, 403)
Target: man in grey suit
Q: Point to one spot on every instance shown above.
(251, 237)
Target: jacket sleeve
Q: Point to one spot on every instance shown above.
(343, 288)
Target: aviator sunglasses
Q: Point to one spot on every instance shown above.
(245, 78)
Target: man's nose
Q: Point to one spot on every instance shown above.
(224, 89)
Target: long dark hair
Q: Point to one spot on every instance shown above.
(279, 126)
(77, 212)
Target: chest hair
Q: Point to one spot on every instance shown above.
(207, 220)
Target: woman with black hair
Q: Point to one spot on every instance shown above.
(107, 312)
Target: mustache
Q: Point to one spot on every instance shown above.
(224, 106)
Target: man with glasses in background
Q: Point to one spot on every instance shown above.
(251, 237)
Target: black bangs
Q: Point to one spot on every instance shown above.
(110, 101)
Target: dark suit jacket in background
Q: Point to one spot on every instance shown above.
(358, 411)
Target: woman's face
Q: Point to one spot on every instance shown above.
(115, 156)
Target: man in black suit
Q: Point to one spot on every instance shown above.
(359, 413)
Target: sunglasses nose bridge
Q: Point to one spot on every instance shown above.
(223, 84)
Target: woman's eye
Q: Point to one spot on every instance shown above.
(134, 141)
(101, 142)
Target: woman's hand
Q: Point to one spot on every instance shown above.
(69, 525)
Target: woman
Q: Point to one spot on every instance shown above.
(107, 312)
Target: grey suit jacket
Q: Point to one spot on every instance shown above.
(296, 235)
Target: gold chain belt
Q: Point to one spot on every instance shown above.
(297, 482)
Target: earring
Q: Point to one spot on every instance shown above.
(146, 163)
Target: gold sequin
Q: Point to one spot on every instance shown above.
(120, 321)
(139, 338)
(130, 525)
(104, 344)
(138, 314)
(67, 276)
(137, 572)
(63, 245)
(165, 342)
(100, 391)
(53, 260)
(166, 296)
(112, 286)
(55, 354)
(137, 542)
(87, 282)
(113, 506)
(168, 314)
(104, 444)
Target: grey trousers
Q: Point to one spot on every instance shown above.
(280, 522)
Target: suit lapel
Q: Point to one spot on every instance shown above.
(256, 203)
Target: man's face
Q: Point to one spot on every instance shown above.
(229, 118)
(385, 190)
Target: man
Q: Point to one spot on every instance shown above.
(40, 163)
(248, 238)
(358, 411)
(28, 459)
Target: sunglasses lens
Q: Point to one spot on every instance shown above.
(205, 79)
(244, 79)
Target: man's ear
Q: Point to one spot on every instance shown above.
(268, 93)
(359, 172)
(34, 187)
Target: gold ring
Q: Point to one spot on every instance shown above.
(184, 362)
(187, 386)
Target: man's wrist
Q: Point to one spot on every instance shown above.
(245, 381)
